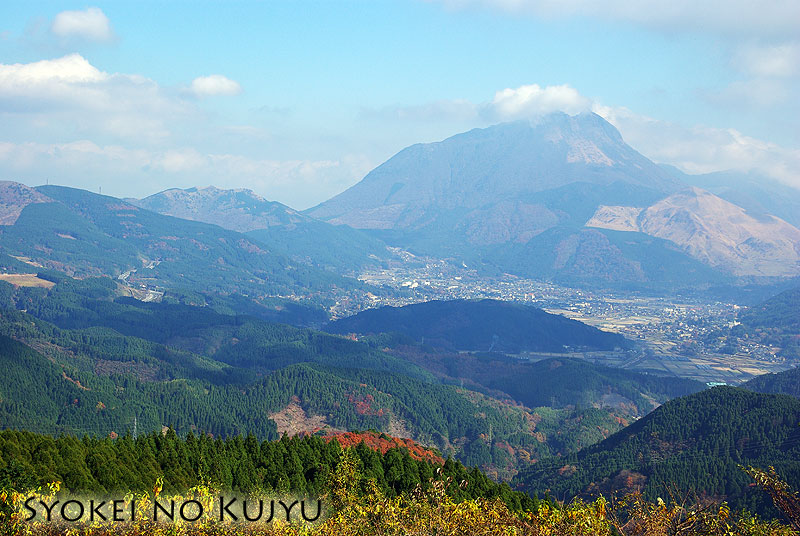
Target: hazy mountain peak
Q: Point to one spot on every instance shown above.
(525, 188)
(14, 197)
(210, 191)
(303, 238)
(583, 124)
(237, 209)
(487, 165)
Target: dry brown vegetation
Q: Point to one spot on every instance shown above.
(26, 280)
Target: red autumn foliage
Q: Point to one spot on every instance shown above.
(383, 442)
(363, 405)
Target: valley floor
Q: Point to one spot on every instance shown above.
(676, 336)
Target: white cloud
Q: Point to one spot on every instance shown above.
(215, 84)
(703, 149)
(753, 92)
(729, 17)
(527, 101)
(178, 161)
(135, 136)
(768, 77)
(69, 69)
(771, 60)
(126, 172)
(760, 38)
(534, 100)
(69, 94)
(90, 24)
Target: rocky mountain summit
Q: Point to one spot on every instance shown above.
(484, 167)
(238, 209)
(713, 231)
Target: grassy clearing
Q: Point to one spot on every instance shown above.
(26, 280)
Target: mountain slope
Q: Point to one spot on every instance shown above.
(555, 382)
(757, 194)
(14, 197)
(485, 166)
(694, 443)
(776, 322)
(302, 238)
(238, 210)
(786, 383)
(81, 233)
(92, 362)
(480, 325)
(435, 335)
(778, 312)
(557, 193)
(713, 231)
(605, 258)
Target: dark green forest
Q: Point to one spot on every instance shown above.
(554, 382)
(775, 321)
(298, 465)
(696, 443)
(80, 358)
(786, 382)
(480, 325)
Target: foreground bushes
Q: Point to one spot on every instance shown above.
(353, 507)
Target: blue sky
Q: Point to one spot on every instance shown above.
(298, 100)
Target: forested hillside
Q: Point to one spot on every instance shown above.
(361, 490)
(554, 382)
(786, 382)
(81, 359)
(305, 240)
(86, 234)
(776, 322)
(480, 325)
(694, 444)
(300, 465)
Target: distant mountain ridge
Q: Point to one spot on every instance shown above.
(303, 238)
(86, 234)
(572, 199)
(238, 209)
(485, 166)
(560, 198)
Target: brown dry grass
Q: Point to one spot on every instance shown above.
(26, 280)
